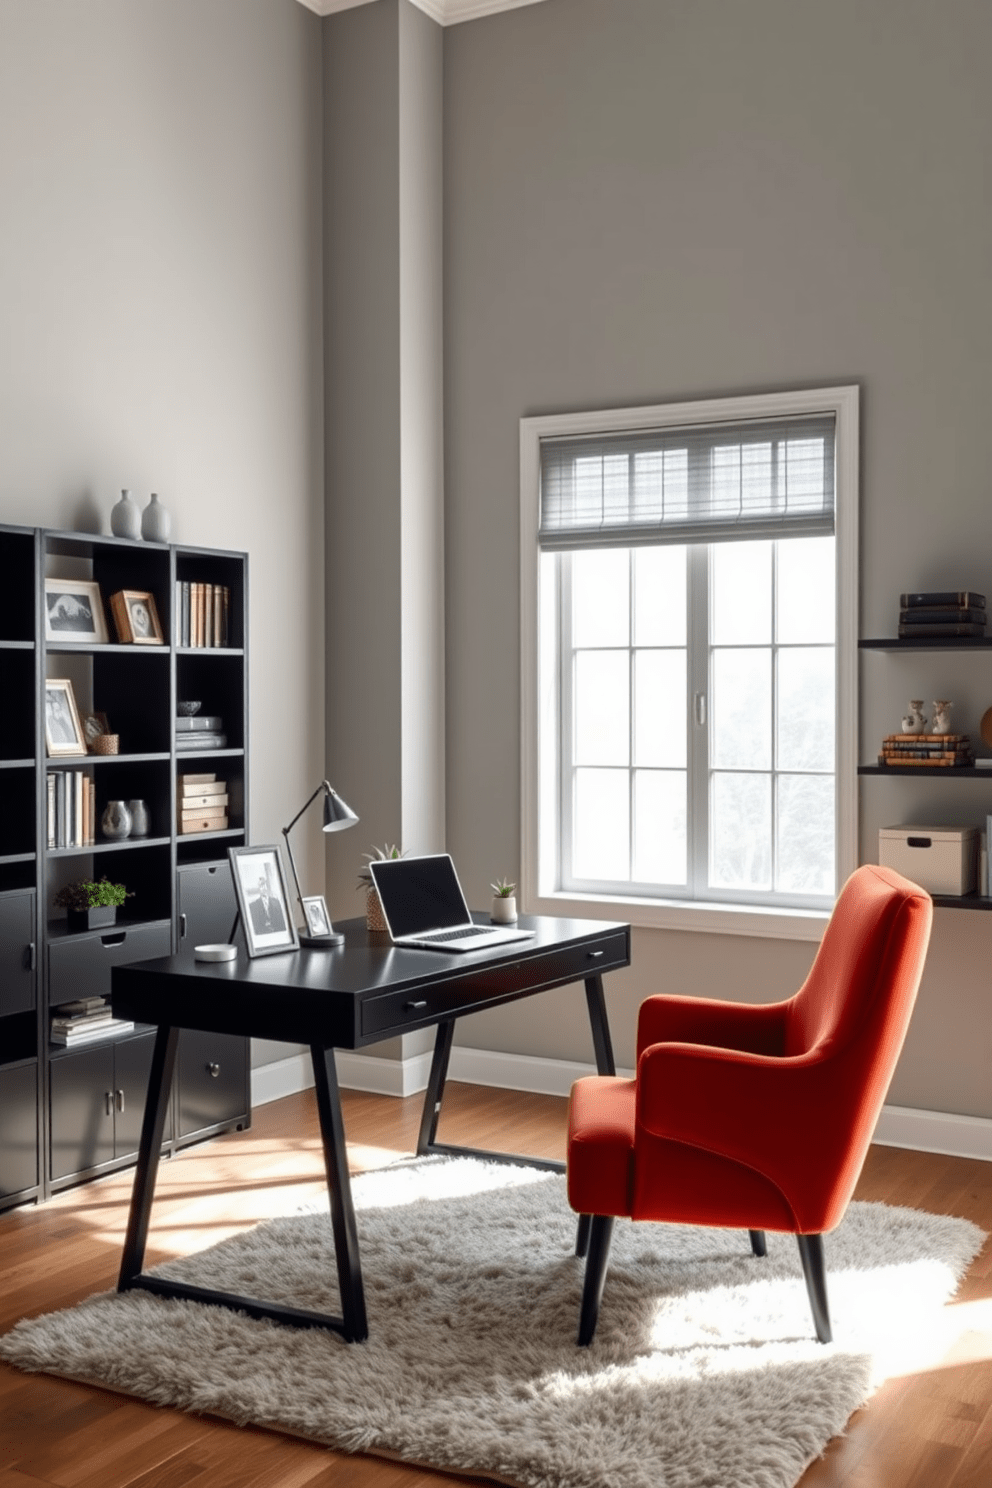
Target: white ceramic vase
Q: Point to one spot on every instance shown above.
(155, 521)
(504, 910)
(915, 720)
(125, 519)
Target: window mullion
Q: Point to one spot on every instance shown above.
(566, 724)
(698, 740)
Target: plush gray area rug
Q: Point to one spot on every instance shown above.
(704, 1370)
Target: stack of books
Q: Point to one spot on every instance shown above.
(203, 731)
(947, 750)
(88, 1019)
(71, 809)
(202, 804)
(203, 614)
(941, 613)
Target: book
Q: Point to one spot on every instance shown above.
(964, 599)
(927, 739)
(205, 824)
(71, 1036)
(83, 1005)
(186, 742)
(897, 752)
(84, 1020)
(918, 632)
(190, 785)
(201, 723)
(942, 615)
(950, 764)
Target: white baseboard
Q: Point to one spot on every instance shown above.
(898, 1126)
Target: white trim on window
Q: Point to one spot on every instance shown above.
(538, 838)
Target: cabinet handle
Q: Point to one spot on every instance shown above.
(593, 955)
(120, 1100)
(108, 1102)
(415, 1006)
(214, 1070)
(31, 955)
(182, 927)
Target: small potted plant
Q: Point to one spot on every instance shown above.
(91, 905)
(504, 910)
(374, 918)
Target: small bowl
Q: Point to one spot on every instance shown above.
(106, 744)
(188, 710)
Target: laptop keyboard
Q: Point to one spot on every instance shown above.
(462, 934)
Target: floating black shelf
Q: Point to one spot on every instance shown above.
(929, 643)
(127, 845)
(948, 772)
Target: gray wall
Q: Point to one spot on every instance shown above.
(160, 312)
(652, 201)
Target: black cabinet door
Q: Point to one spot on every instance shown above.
(18, 1128)
(213, 1080)
(207, 905)
(132, 1064)
(17, 953)
(82, 1110)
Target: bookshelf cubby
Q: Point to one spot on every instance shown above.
(72, 1113)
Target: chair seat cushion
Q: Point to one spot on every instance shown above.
(601, 1145)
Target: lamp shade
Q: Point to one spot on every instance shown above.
(337, 813)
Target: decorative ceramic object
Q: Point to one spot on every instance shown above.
(188, 709)
(504, 909)
(155, 521)
(915, 721)
(125, 519)
(140, 819)
(115, 822)
(941, 717)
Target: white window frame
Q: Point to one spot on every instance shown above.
(539, 716)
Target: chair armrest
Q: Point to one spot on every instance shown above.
(757, 1028)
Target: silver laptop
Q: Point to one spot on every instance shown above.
(423, 905)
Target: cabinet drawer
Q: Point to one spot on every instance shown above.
(80, 965)
(397, 1010)
(213, 1079)
(17, 953)
(18, 1128)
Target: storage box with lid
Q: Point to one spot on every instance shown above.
(942, 860)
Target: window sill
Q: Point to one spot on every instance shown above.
(697, 917)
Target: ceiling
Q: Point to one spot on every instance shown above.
(445, 12)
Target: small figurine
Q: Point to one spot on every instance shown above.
(942, 717)
(915, 721)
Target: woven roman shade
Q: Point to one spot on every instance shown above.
(710, 483)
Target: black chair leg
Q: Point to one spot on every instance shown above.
(600, 1235)
(582, 1234)
(759, 1245)
(814, 1270)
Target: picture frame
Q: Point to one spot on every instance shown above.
(74, 612)
(94, 724)
(136, 618)
(317, 916)
(63, 727)
(263, 900)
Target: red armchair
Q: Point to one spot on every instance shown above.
(755, 1116)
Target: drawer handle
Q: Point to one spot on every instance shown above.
(113, 940)
(182, 927)
(919, 841)
(415, 1006)
(594, 954)
(214, 1070)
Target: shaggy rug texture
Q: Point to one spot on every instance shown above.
(704, 1372)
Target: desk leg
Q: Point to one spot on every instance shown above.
(601, 1042)
(435, 1086)
(356, 1328)
(152, 1127)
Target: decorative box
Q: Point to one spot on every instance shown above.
(942, 860)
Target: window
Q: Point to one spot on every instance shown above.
(688, 630)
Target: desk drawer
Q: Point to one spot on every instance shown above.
(80, 965)
(476, 989)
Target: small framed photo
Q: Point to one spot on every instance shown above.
(260, 888)
(94, 725)
(74, 611)
(136, 617)
(63, 728)
(318, 919)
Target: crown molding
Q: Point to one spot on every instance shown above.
(445, 12)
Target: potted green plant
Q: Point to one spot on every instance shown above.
(374, 918)
(504, 906)
(91, 904)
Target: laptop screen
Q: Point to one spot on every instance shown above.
(420, 894)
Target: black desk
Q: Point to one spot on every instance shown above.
(367, 991)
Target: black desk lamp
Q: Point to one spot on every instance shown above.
(337, 816)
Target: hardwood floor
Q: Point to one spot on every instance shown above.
(930, 1428)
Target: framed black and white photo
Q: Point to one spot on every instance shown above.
(63, 729)
(318, 919)
(136, 617)
(74, 611)
(94, 724)
(260, 887)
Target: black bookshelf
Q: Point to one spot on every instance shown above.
(68, 1114)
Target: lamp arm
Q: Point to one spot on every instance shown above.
(323, 786)
(292, 864)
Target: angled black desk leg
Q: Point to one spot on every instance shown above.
(435, 1086)
(356, 1328)
(152, 1127)
(605, 1065)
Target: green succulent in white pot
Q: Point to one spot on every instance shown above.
(504, 906)
(374, 918)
